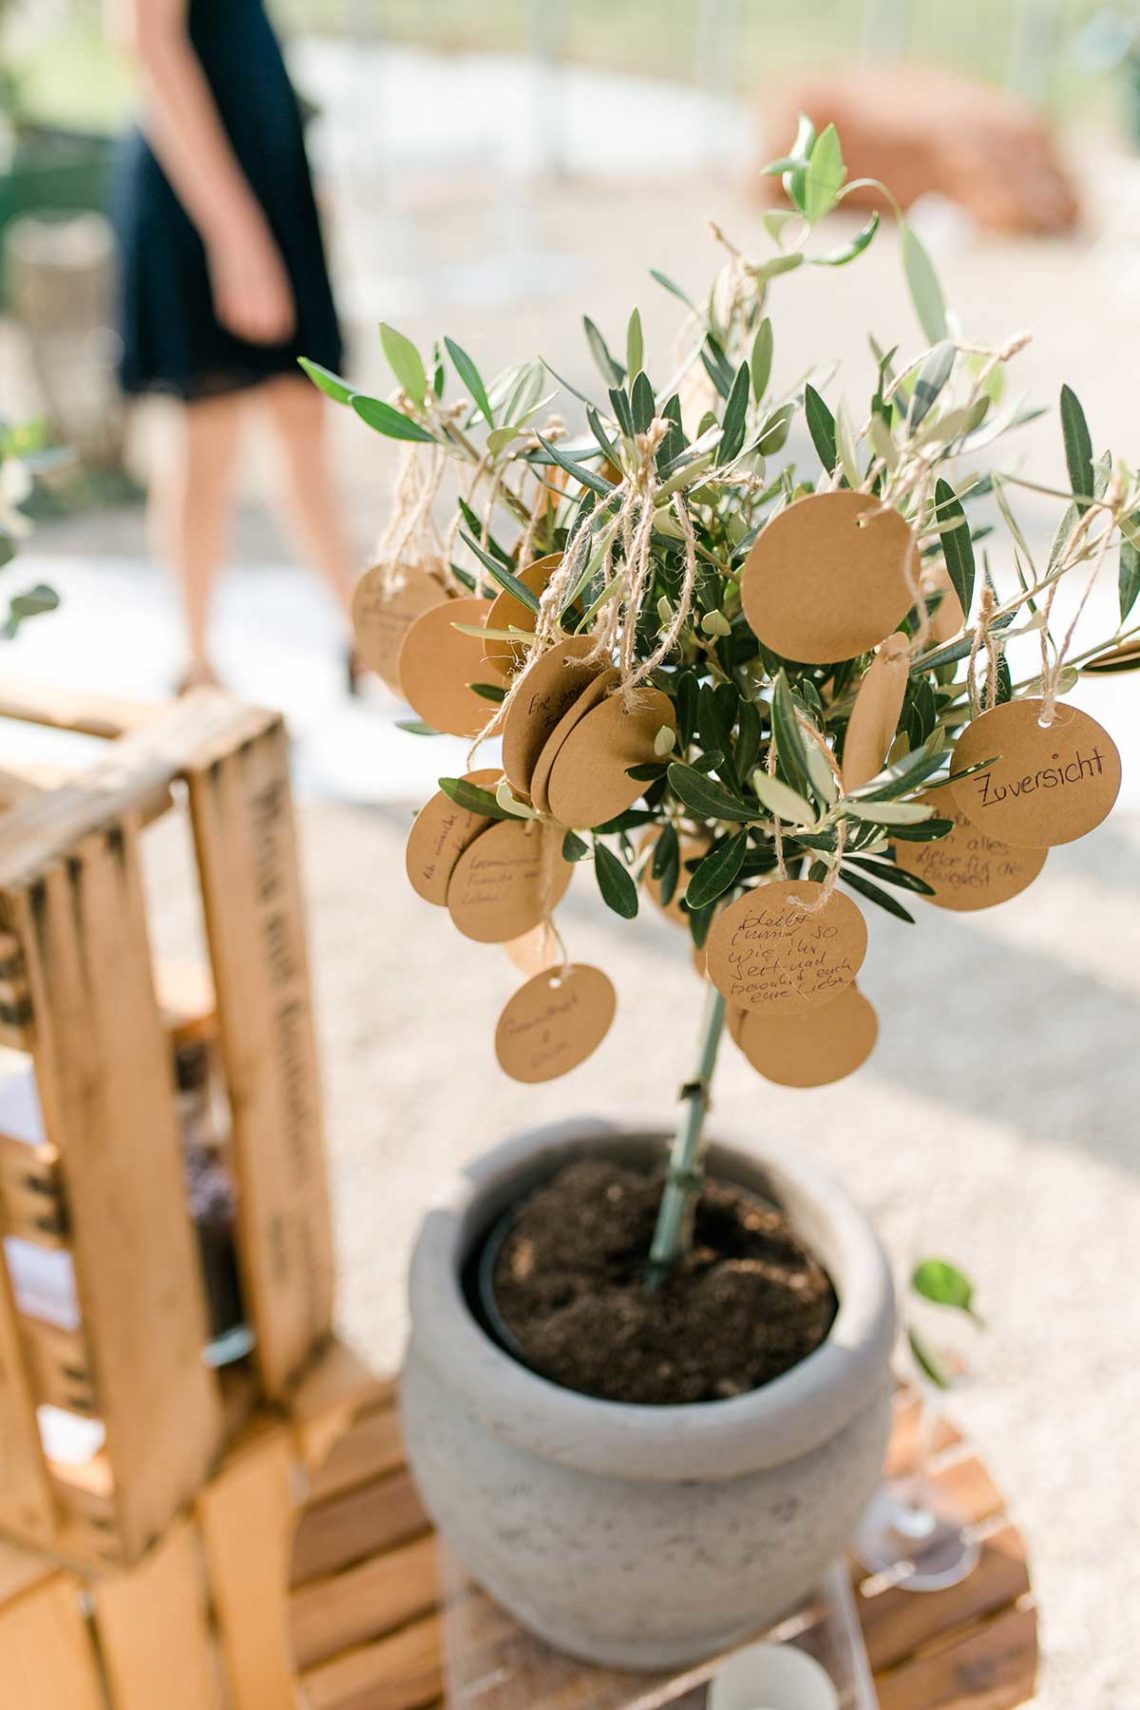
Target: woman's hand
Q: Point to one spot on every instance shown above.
(253, 298)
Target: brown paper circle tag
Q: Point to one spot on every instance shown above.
(385, 604)
(507, 612)
(875, 715)
(765, 951)
(507, 880)
(554, 1022)
(437, 663)
(590, 696)
(551, 684)
(589, 781)
(820, 584)
(967, 869)
(1048, 785)
(535, 950)
(440, 833)
(812, 1050)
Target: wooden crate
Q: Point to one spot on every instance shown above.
(201, 1622)
(367, 1626)
(77, 992)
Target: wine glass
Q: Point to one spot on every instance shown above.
(912, 1531)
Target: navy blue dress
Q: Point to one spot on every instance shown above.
(171, 338)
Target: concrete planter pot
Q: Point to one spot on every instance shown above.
(644, 1537)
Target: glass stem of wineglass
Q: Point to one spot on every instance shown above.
(916, 1518)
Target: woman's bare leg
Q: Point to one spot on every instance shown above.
(299, 414)
(192, 512)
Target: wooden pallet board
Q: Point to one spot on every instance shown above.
(367, 1619)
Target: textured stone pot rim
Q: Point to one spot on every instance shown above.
(786, 1419)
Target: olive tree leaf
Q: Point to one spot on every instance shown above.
(1129, 577)
(329, 383)
(932, 377)
(735, 417)
(887, 813)
(615, 881)
(825, 174)
(874, 894)
(761, 364)
(782, 801)
(957, 546)
(574, 848)
(471, 378)
(634, 344)
(471, 798)
(405, 362)
(1078, 448)
(708, 799)
(611, 372)
(821, 426)
(382, 418)
(848, 251)
(923, 285)
(717, 871)
(790, 747)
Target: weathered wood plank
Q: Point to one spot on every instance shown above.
(245, 1515)
(991, 1667)
(104, 1083)
(364, 1602)
(154, 1632)
(242, 816)
(346, 1529)
(403, 1672)
(47, 1659)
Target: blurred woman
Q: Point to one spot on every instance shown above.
(224, 282)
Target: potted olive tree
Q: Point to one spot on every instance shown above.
(648, 1389)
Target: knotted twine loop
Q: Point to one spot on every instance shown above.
(550, 851)
(983, 637)
(410, 534)
(1052, 671)
(616, 626)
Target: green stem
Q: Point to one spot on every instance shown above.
(683, 1179)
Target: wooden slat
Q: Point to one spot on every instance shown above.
(897, 1622)
(991, 1667)
(403, 1672)
(26, 1504)
(328, 1397)
(32, 1205)
(46, 828)
(346, 1529)
(103, 1073)
(365, 1602)
(19, 1571)
(47, 1661)
(370, 1449)
(243, 828)
(84, 713)
(154, 1632)
(246, 1515)
(58, 1366)
(15, 999)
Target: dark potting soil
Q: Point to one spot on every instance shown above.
(748, 1303)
